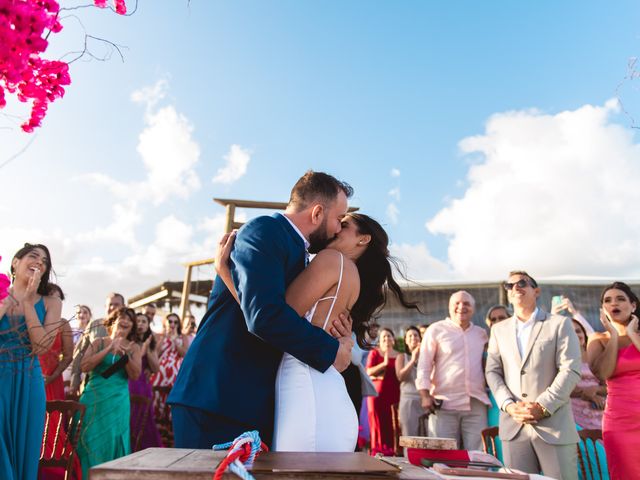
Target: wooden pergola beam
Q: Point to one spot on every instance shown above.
(230, 205)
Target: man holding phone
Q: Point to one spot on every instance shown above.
(533, 365)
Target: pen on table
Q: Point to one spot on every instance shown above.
(388, 462)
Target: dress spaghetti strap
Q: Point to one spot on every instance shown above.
(335, 297)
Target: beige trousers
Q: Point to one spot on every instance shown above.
(464, 425)
(529, 453)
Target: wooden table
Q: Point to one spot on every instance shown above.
(190, 464)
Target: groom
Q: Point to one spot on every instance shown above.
(226, 384)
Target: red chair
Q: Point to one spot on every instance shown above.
(489, 436)
(61, 433)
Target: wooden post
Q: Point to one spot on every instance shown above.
(186, 291)
(502, 295)
(231, 212)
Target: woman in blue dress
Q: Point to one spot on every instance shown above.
(29, 320)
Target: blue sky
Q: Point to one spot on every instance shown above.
(386, 95)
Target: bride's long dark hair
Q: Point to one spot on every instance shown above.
(375, 270)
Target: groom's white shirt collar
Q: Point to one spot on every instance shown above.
(306, 242)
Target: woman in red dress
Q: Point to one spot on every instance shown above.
(381, 369)
(53, 363)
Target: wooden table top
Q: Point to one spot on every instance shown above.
(191, 464)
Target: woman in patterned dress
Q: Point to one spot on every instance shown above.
(173, 346)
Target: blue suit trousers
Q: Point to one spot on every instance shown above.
(195, 428)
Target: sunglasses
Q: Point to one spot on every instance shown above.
(172, 322)
(522, 283)
(497, 319)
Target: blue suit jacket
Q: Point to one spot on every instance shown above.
(230, 368)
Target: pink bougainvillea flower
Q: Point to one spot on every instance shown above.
(25, 26)
(5, 283)
(121, 7)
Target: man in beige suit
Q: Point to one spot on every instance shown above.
(533, 364)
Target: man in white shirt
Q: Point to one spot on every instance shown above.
(533, 364)
(449, 373)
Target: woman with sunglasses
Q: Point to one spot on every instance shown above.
(614, 356)
(172, 348)
(29, 322)
(109, 363)
(495, 314)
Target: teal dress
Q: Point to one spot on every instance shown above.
(105, 429)
(22, 400)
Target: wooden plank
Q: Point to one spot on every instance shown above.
(430, 443)
(200, 460)
(189, 464)
(321, 462)
(150, 457)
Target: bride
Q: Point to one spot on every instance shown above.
(313, 412)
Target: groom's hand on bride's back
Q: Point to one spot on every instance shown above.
(341, 326)
(343, 357)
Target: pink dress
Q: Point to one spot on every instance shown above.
(621, 420)
(584, 413)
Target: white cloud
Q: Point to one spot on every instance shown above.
(394, 172)
(126, 217)
(554, 194)
(395, 193)
(236, 162)
(169, 154)
(151, 95)
(168, 151)
(393, 212)
(421, 265)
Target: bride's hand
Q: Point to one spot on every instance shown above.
(341, 326)
(223, 252)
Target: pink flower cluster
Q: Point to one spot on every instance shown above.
(5, 283)
(24, 26)
(121, 8)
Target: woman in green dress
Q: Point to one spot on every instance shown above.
(109, 363)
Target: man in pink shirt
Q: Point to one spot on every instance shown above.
(450, 378)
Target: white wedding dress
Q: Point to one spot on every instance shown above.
(313, 410)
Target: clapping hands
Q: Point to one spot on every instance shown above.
(117, 346)
(415, 353)
(607, 323)
(632, 328)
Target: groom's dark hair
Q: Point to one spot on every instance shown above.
(317, 187)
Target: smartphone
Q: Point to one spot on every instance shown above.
(557, 300)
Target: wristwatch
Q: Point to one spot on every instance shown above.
(545, 413)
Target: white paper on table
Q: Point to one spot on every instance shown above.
(532, 476)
